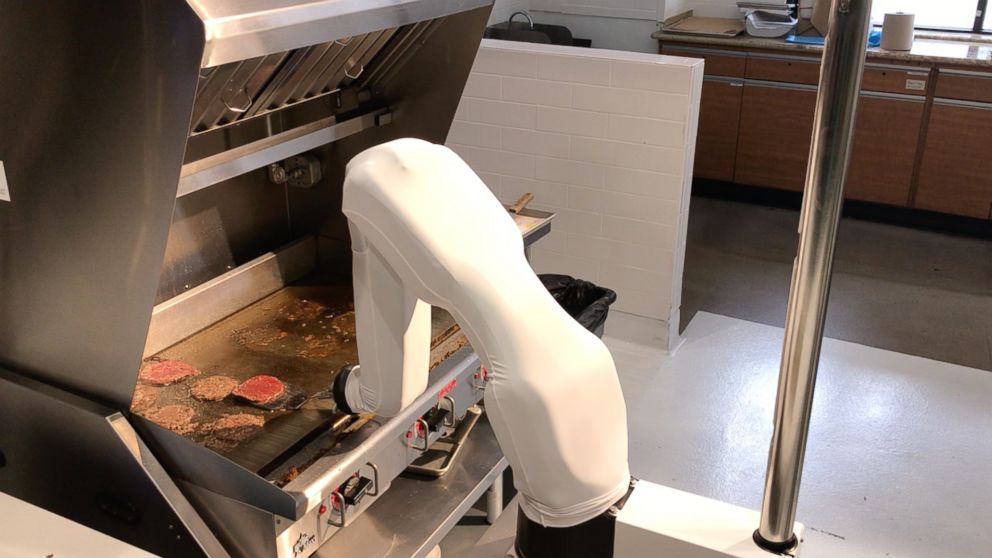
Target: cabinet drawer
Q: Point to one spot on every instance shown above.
(783, 69)
(965, 86)
(727, 63)
(893, 79)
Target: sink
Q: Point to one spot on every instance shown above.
(539, 33)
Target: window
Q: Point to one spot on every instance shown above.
(946, 14)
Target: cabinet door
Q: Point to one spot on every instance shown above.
(775, 129)
(956, 172)
(716, 137)
(886, 135)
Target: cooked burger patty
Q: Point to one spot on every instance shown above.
(144, 398)
(260, 389)
(177, 418)
(167, 372)
(213, 388)
(237, 428)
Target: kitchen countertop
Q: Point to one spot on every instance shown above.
(928, 48)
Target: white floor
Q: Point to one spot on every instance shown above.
(899, 460)
(27, 531)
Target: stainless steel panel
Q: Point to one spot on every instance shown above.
(961, 103)
(406, 40)
(227, 92)
(264, 102)
(83, 461)
(780, 85)
(241, 29)
(356, 66)
(217, 229)
(737, 82)
(217, 168)
(886, 66)
(393, 528)
(184, 315)
(198, 465)
(92, 151)
(894, 96)
(792, 57)
(698, 50)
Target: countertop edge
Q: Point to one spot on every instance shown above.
(874, 53)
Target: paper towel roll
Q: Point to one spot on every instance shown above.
(897, 31)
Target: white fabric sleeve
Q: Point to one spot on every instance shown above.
(553, 399)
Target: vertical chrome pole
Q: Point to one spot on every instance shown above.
(836, 103)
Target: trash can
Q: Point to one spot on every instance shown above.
(588, 303)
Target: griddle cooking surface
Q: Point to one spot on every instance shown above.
(302, 334)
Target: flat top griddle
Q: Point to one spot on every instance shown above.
(303, 334)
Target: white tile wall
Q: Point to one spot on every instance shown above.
(605, 140)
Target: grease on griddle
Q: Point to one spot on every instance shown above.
(177, 418)
(144, 398)
(237, 428)
(259, 337)
(289, 477)
(302, 310)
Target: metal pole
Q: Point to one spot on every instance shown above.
(836, 102)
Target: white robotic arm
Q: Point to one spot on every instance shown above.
(426, 231)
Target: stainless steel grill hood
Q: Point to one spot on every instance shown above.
(239, 29)
(142, 211)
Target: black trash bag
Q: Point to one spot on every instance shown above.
(587, 302)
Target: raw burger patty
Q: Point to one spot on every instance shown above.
(213, 388)
(260, 389)
(167, 372)
(144, 398)
(237, 428)
(177, 418)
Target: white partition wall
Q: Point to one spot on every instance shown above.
(605, 139)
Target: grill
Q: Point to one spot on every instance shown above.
(175, 195)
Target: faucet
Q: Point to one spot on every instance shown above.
(523, 13)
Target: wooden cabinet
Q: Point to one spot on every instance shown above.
(967, 86)
(789, 69)
(716, 136)
(756, 121)
(956, 171)
(727, 63)
(886, 136)
(776, 125)
(895, 79)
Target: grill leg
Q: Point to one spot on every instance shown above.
(494, 500)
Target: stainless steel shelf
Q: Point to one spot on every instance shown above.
(533, 224)
(415, 514)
